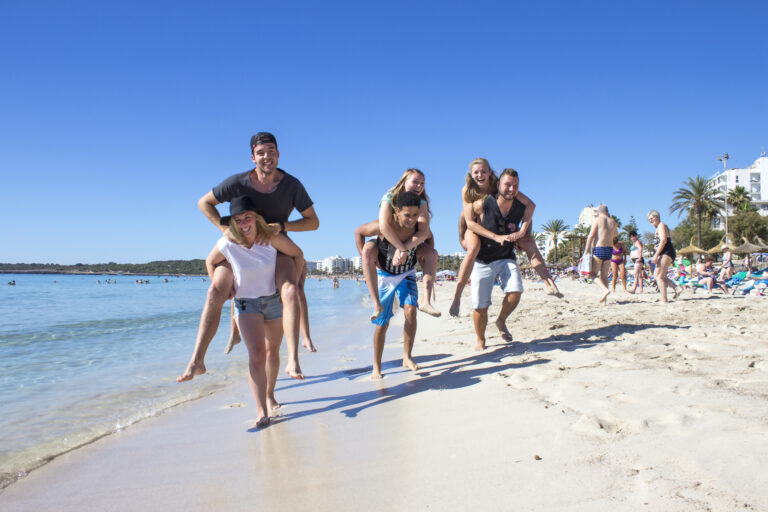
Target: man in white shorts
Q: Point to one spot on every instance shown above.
(500, 217)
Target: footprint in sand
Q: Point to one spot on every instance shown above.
(236, 404)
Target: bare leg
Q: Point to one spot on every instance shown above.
(472, 243)
(511, 300)
(306, 341)
(427, 257)
(274, 336)
(480, 317)
(234, 333)
(369, 255)
(289, 294)
(379, 335)
(409, 336)
(528, 244)
(623, 273)
(218, 293)
(601, 281)
(615, 274)
(252, 327)
(661, 277)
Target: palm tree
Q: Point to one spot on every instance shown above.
(697, 198)
(554, 229)
(739, 198)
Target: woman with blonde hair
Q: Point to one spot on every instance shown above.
(412, 180)
(664, 255)
(258, 308)
(479, 182)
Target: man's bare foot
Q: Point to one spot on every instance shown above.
(430, 310)
(263, 422)
(410, 364)
(605, 296)
(376, 312)
(454, 311)
(505, 334)
(480, 345)
(234, 339)
(376, 375)
(272, 404)
(294, 371)
(307, 344)
(678, 291)
(192, 370)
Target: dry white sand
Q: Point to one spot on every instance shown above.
(637, 405)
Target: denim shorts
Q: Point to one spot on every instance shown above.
(268, 306)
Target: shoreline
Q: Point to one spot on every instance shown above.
(632, 405)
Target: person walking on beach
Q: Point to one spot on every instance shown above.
(257, 303)
(636, 257)
(481, 181)
(618, 270)
(601, 239)
(500, 215)
(395, 276)
(663, 257)
(275, 194)
(412, 180)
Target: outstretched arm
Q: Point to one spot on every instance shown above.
(366, 230)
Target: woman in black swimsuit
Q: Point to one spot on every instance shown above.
(664, 256)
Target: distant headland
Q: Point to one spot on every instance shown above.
(167, 267)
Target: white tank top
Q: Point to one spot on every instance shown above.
(254, 268)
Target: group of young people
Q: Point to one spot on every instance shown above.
(257, 265)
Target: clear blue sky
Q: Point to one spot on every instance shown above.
(115, 117)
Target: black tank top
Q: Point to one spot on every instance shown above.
(387, 252)
(495, 222)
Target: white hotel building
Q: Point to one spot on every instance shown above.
(752, 178)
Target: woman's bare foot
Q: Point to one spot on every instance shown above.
(376, 374)
(294, 371)
(263, 422)
(454, 310)
(193, 369)
(234, 339)
(505, 334)
(605, 296)
(307, 344)
(272, 404)
(410, 364)
(678, 291)
(480, 345)
(430, 310)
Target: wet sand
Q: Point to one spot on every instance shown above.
(633, 406)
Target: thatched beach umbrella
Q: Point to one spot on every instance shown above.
(759, 242)
(724, 241)
(691, 249)
(747, 247)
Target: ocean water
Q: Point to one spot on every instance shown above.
(81, 359)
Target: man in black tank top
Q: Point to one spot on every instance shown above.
(500, 218)
(394, 280)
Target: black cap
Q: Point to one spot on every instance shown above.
(236, 206)
(262, 138)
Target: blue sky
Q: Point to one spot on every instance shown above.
(115, 118)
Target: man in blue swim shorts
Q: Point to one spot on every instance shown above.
(500, 217)
(600, 237)
(395, 280)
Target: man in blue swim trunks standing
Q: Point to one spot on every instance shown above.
(500, 227)
(601, 237)
(395, 280)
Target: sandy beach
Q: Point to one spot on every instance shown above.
(636, 405)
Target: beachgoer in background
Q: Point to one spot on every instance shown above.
(726, 270)
(617, 264)
(257, 302)
(412, 180)
(601, 238)
(636, 257)
(275, 194)
(395, 277)
(663, 257)
(708, 277)
(481, 181)
(499, 215)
